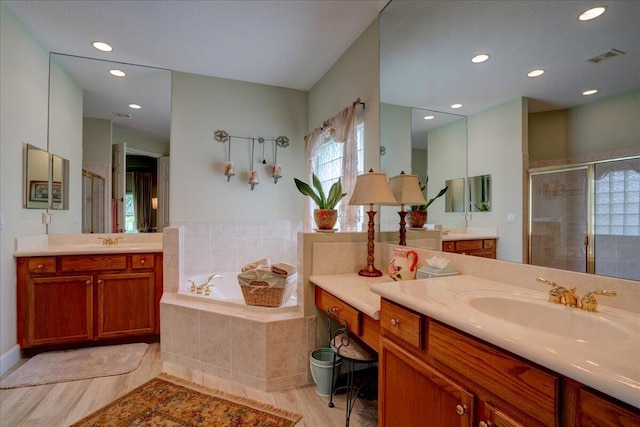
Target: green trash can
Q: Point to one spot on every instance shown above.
(321, 361)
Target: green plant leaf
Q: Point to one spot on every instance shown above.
(305, 189)
(335, 195)
(440, 194)
(318, 185)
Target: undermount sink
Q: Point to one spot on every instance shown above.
(568, 322)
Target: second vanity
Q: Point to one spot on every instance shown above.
(467, 351)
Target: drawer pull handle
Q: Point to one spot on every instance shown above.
(88, 282)
(99, 280)
(142, 261)
(334, 309)
(394, 322)
(461, 409)
(40, 266)
(484, 424)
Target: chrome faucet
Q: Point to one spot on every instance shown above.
(588, 301)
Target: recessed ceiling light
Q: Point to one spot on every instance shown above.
(535, 73)
(135, 106)
(592, 13)
(102, 46)
(429, 117)
(480, 58)
(117, 73)
(456, 106)
(590, 92)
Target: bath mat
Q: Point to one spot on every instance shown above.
(171, 401)
(80, 364)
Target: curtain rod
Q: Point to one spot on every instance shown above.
(359, 102)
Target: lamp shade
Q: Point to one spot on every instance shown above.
(406, 189)
(372, 188)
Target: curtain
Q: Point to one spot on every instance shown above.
(340, 128)
(142, 200)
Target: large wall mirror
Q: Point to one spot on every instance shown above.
(511, 121)
(91, 111)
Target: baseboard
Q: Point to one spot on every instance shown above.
(9, 359)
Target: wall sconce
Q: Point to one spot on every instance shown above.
(372, 189)
(406, 190)
(154, 203)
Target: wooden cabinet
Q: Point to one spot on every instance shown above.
(485, 248)
(364, 327)
(461, 380)
(83, 299)
(593, 409)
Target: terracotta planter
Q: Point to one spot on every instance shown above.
(417, 219)
(325, 218)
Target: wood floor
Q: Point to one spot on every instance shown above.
(62, 404)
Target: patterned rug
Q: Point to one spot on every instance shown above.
(171, 401)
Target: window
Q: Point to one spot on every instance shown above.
(328, 163)
(129, 214)
(617, 197)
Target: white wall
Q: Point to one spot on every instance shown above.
(354, 75)
(199, 190)
(65, 140)
(497, 144)
(24, 77)
(138, 142)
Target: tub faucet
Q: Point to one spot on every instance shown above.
(108, 241)
(205, 285)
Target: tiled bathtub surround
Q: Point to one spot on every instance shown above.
(266, 349)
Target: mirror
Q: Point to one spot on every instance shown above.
(36, 177)
(89, 112)
(454, 197)
(480, 193)
(60, 183)
(425, 63)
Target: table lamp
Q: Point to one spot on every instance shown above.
(406, 190)
(371, 189)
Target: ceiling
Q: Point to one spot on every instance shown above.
(426, 46)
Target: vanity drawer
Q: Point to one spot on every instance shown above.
(139, 261)
(468, 245)
(93, 263)
(402, 323)
(42, 265)
(326, 301)
(521, 383)
(449, 246)
(489, 244)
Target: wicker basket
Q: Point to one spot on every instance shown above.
(273, 293)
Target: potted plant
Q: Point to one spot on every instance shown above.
(418, 213)
(325, 215)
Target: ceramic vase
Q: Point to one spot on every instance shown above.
(403, 265)
(325, 218)
(417, 219)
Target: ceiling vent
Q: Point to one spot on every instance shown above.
(610, 54)
(122, 115)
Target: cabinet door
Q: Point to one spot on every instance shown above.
(597, 411)
(413, 394)
(59, 310)
(125, 304)
(493, 417)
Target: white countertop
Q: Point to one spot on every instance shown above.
(607, 364)
(354, 290)
(463, 236)
(86, 244)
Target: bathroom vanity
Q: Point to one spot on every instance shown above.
(87, 295)
(446, 360)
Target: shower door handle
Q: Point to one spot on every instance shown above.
(585, 240)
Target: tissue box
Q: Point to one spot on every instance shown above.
(427, 272)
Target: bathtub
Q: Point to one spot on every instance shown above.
(226, 291)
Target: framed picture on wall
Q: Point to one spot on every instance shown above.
(39, 191)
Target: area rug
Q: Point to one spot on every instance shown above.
(79, 364)
(171, 401)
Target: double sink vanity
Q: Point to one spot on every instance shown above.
(468, 351)
(76, 290)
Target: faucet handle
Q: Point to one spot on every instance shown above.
(588, 301)
(555, 293)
